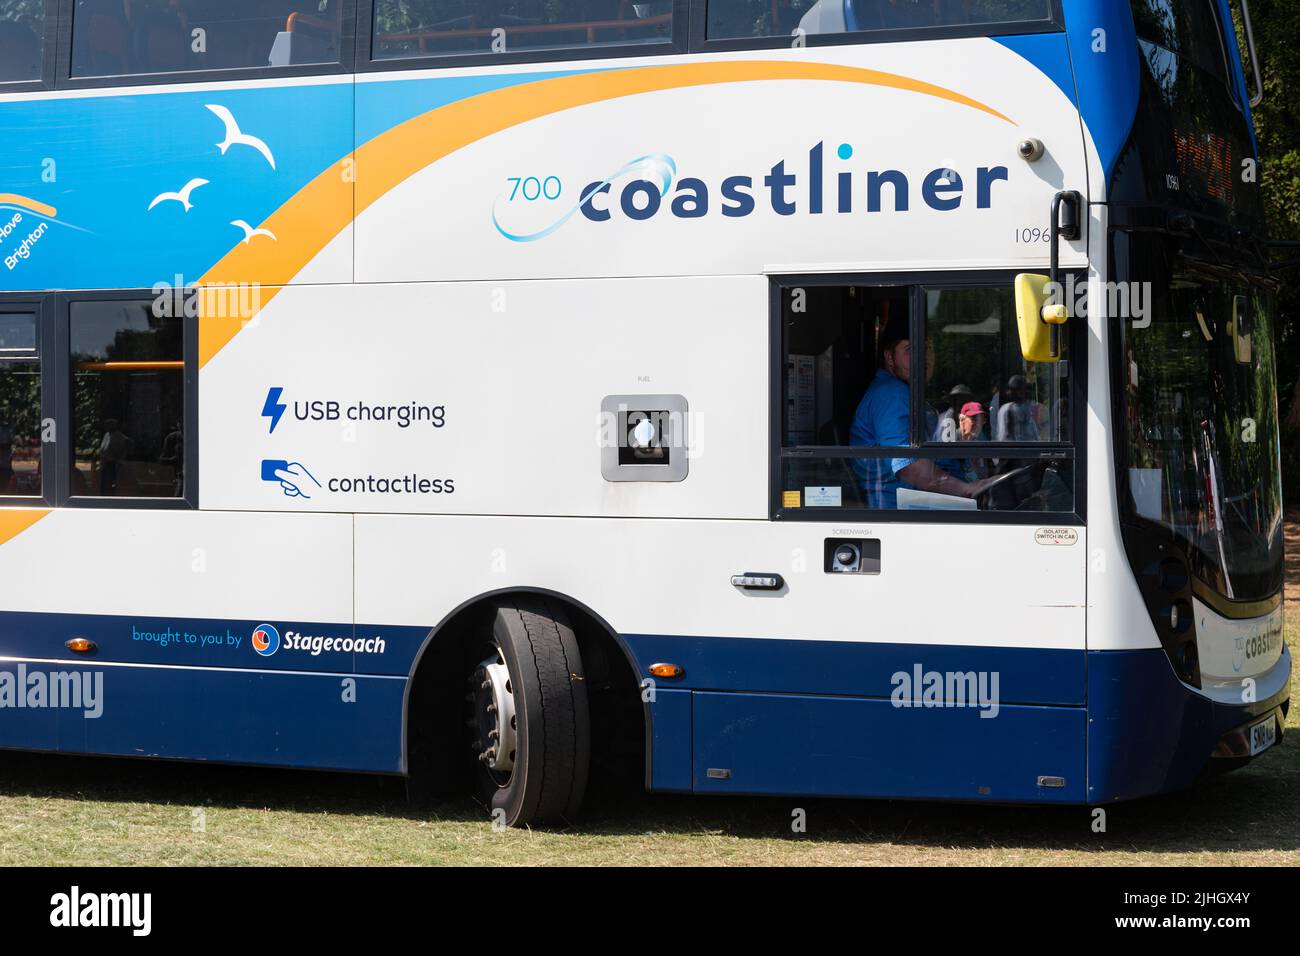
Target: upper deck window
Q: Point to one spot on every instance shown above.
(746, 19)
(413, 28)
(22, 33)
(1187, 28)
(120, 38)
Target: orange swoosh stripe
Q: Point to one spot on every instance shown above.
(14, 521)
(323, 208)
(13, 199)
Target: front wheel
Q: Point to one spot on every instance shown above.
(529, 725)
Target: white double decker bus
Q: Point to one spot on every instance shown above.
(863, 398)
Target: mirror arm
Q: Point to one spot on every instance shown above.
(1249, 28)
(1069, 229)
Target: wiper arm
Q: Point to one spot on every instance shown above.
(1186, 223)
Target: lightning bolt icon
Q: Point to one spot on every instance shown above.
(273, 408)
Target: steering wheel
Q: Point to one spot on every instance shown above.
(1004, 482)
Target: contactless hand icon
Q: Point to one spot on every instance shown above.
(292, 476)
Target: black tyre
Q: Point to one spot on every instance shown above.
(529, 724)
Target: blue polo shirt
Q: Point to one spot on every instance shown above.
(883, 420)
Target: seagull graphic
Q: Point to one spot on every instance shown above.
(234, 137)
(250, 232)
(182, 197)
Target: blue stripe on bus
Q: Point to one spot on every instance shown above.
(1104, 58)
(776, 716)
(1237, 69)
(1142, 732)
(1050, 53)
(851, 747)
(207, 642)
(1149, 733)
(766, 716)
(312, 721)
(1026, 675)
(670, 740)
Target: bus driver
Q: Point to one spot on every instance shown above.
(883, 420)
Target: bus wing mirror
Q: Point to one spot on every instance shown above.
(1036, 318)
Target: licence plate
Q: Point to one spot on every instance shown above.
(1263, 735)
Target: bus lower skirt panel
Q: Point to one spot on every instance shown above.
(305, 720)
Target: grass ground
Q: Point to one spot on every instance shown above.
(89, 811)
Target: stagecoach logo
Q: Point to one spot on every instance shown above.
(266, 640)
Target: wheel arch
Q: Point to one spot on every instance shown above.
(444, 637)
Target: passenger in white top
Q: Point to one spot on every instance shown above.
(1016, 419)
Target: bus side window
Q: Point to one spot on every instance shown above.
(22, 31)
(978, 387)
(128, 395)
(449, 27)
(734, 19)
(859, 427)
(115, 38)
(20, 406)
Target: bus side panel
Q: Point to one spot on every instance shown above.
(670, 740)
(230, 716)
(1051, 676)
(494, 154)
(510, 388)
(853, 747)
(136, 562)
(171, 602)
(851, 718)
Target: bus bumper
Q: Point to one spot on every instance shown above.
(1150, 733)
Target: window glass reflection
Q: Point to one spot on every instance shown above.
(127, 401)
(20, 406)
(22, 39)
(139, 37)
(976, 369)
(730, 19)
(409, 28)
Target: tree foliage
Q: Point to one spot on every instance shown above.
(1277, 124)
